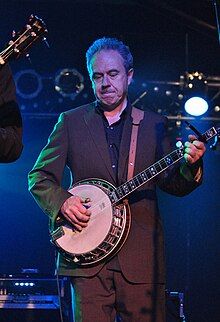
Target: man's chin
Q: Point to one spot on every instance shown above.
(108, 106)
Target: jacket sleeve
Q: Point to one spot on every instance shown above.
(181, 178)
(45, 178)
(10, 119)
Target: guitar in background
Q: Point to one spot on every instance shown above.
(10, 118)
(34, 30)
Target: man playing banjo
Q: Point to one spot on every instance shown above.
(107, 226)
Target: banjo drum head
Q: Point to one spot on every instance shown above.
(75, 242)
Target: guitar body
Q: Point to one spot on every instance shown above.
(107, 228)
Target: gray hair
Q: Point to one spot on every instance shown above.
(110, 44)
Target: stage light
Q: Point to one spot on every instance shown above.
(168, 93)
(28, 83)
(195, 92)
(196, 106)
(69, 82)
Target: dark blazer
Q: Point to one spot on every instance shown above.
(79, 141)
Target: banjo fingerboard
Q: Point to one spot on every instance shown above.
(146, 175)
(155, 169)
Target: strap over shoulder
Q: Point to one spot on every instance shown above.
(137, 116)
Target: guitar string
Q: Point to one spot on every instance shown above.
(10, 49)
(17, 40)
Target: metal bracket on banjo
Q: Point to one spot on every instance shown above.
(56, 234)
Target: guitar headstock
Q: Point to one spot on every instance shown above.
(22, 40)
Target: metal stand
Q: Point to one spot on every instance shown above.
(177, 297)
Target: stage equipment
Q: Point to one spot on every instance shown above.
(69, 82)
(194, 87)
(175, 306)
(28, 83)
(35, 299)
(169, 97)
(47, 93)
(217, 18)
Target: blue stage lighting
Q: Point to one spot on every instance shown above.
(195, 93)
(196, 106)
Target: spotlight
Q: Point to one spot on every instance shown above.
(195, 92)
(196, 106)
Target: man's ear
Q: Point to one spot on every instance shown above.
(130, 75)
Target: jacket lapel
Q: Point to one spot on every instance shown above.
(95, 125)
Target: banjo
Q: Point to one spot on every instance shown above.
(110, 219)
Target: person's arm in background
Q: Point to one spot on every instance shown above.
(10, 118)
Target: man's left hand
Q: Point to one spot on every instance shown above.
(194, 149)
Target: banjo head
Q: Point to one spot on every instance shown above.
(77, 243)
(107, 229)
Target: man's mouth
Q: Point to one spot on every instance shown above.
(107, 93)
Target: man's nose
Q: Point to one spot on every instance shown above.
(105, 81)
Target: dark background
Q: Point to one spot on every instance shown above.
(166, 38)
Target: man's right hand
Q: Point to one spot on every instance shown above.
(75, 212)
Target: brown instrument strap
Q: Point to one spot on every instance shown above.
(137, 116)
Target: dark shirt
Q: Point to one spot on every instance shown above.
(113, 135)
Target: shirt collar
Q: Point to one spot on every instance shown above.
(124, 113)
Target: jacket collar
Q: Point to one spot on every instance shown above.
(96, 128)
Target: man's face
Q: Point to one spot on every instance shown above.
(109, 78)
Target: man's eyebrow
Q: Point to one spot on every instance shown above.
(113, 70)
(109, 71)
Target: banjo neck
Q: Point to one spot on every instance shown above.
(155, 169)
(146, 175)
